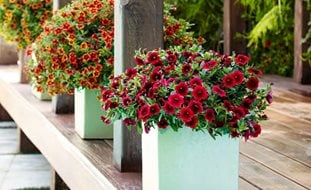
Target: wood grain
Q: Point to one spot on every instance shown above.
(138, 25)
(302, 70)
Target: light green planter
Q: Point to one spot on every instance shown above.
(187, 160)
(87, 116)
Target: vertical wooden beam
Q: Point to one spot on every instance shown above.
(138, 24)
(233, 24)
(24, 144)
(57, 182)
(63, 103)
(302, 69)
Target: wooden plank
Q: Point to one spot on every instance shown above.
(244, 185)
(138, 24)
(302, 69)
(233, 24)
(281, 164)
(55, 137)
(24, 144)
(264, 177)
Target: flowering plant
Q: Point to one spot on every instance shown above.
(189, 87)
(76, 48)
(21, 20)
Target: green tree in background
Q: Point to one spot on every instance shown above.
(271, 34)
(207, 16)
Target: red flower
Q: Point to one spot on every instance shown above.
(154, 109)
(192, 123)
(106, 94)
(171, 58)
(144, 112)
(168, 108)
(247, 103)
(196, 106)
(155, 76)
(195, 82)
(182, 88)
(186, 114)
(217, 90)
(131, 72)
(228, 81)
(238, 77)
(228, 105)
(176, 100)
(199, 93)
(238, 112)
(153, 57)
(162, 123)
(209, 64)
(139, 61)
(256, 130)
(186, 69)
(252, 83)
(241, 59)
(255, 71)
(129, 122)
(209, 115)
(126, 101)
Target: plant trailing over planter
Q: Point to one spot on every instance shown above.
(189, 87)
(21, 21)
(76, 48)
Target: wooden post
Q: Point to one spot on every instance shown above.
(63, 103)
(24, 144)
(57, 182)
(233, 23)
(8, 54)
(302, 69)
(138, 24)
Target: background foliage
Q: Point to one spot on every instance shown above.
(271, 34)
(307, 39)
(207, 16)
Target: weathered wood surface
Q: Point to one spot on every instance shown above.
(279, 159)
(233, 24)
(138, 24)
(302, 69)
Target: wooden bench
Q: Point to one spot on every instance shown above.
(81, 164)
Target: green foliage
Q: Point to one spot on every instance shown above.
(271, 36)
(207, 16)
(307, 39)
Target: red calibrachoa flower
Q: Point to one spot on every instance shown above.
(84, 31)
(241, 59)
(223, 99)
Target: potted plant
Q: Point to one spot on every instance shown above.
(75, 55)
(21, 22)
(191, 106)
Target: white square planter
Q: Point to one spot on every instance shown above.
(186, 160)
(88, 112)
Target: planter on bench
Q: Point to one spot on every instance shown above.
(88, 112)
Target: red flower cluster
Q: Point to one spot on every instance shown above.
(189, 88)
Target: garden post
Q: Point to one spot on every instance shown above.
(302, 69)
(138, 24)
(8, 54)
(62, 103)
(233, 24)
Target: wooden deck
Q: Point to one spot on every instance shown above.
(279, 159)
